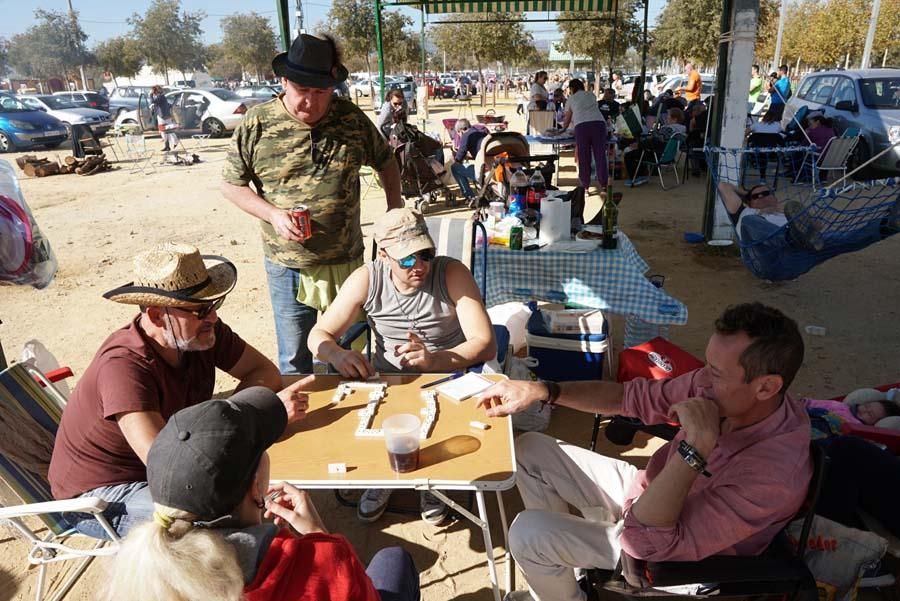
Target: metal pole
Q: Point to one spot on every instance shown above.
(423, 44)
(870, 37)
(612, 44)
(284, 24)
(643, 83)
(380, 49)
(781, 15)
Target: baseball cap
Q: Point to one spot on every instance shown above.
(402, 232)
(205, 458)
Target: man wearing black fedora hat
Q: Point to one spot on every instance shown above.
(165, 359)
(306, 147)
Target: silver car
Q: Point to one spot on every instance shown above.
(865, 99)
(69, 113)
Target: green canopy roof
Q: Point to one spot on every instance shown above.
(440, 7)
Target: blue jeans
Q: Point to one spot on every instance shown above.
(394, 575)
(130, 505)
(293, 320)
(463, 174)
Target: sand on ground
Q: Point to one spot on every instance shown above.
(97, 224)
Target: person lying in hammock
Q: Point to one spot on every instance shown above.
(757, 214)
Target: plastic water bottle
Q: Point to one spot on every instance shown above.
(537, 188)
(518, 187)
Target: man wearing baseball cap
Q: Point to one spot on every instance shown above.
(208, 478)
(425, 313)
(165, 359)
(306, 147)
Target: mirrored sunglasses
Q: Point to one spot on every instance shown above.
(409, 261)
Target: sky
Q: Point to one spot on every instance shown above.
(103, 19)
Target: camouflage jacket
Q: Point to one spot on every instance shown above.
(290, 163)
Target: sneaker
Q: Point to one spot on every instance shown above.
(640, 181)
(372, 504)
(629, 183)
(434, 511)
(802, 231)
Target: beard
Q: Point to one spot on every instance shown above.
(201, 342)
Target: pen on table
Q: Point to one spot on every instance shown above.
(452, 376)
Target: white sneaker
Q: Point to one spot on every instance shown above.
(372, 504)
(434, 511)
(639, 181)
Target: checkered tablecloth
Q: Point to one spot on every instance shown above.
(610, 280)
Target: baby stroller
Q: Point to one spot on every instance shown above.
(501, 154)
(420, 170)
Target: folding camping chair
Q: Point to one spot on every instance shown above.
(31, 407)
(667, 160)
(137, 152)
(778, 572)
(834, 157)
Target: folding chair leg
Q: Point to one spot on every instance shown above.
(42, 577)
(71, 580)
(596, 430)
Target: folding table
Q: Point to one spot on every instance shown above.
(455, 456)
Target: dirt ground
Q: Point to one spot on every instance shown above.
(97, 224)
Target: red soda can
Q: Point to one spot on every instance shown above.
(302, 220)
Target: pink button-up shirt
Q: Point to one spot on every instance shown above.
(760, 476)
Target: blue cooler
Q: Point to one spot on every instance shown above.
(566, 356)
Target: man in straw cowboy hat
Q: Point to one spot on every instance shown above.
(306, 147)
(165, 359)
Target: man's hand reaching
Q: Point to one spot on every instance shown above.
(296, 402)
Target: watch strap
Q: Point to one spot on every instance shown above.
(693, 458)
(553, 391)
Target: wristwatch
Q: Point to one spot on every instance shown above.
(693, 458)
(552, 394)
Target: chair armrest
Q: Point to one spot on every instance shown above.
(885, 436)
(58, 374)
(80, 505)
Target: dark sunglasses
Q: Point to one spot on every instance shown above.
(206, 309)
(409, 261)
(758, 195)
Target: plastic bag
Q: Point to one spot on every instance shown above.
(25, 254)
(837, 556)
(535, 418)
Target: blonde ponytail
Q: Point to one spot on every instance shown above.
(168, 559)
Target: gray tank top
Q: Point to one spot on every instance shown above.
(428, 312)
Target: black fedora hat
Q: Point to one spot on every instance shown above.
(312, 62)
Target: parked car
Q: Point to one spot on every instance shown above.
(214, 111)
(86, 98)
(707, 85)
(653, 81)
(441, 90)
(263, 92)
(361, 87)
(69, 114)
(125, 98)
(867, 99)
(23, 128)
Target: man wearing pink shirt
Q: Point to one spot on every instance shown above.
(735, 474)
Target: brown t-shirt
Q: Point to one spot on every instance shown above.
(126, 375)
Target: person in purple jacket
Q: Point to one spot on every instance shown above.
(733, 477)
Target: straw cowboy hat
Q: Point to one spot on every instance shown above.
(312, 62)
(176, 275)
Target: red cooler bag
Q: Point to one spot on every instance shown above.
(656, 359)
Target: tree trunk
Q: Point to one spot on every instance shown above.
(166, 71)
(596, 77)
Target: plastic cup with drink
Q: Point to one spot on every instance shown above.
(401, 436)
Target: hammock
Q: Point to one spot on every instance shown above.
(846, 217)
